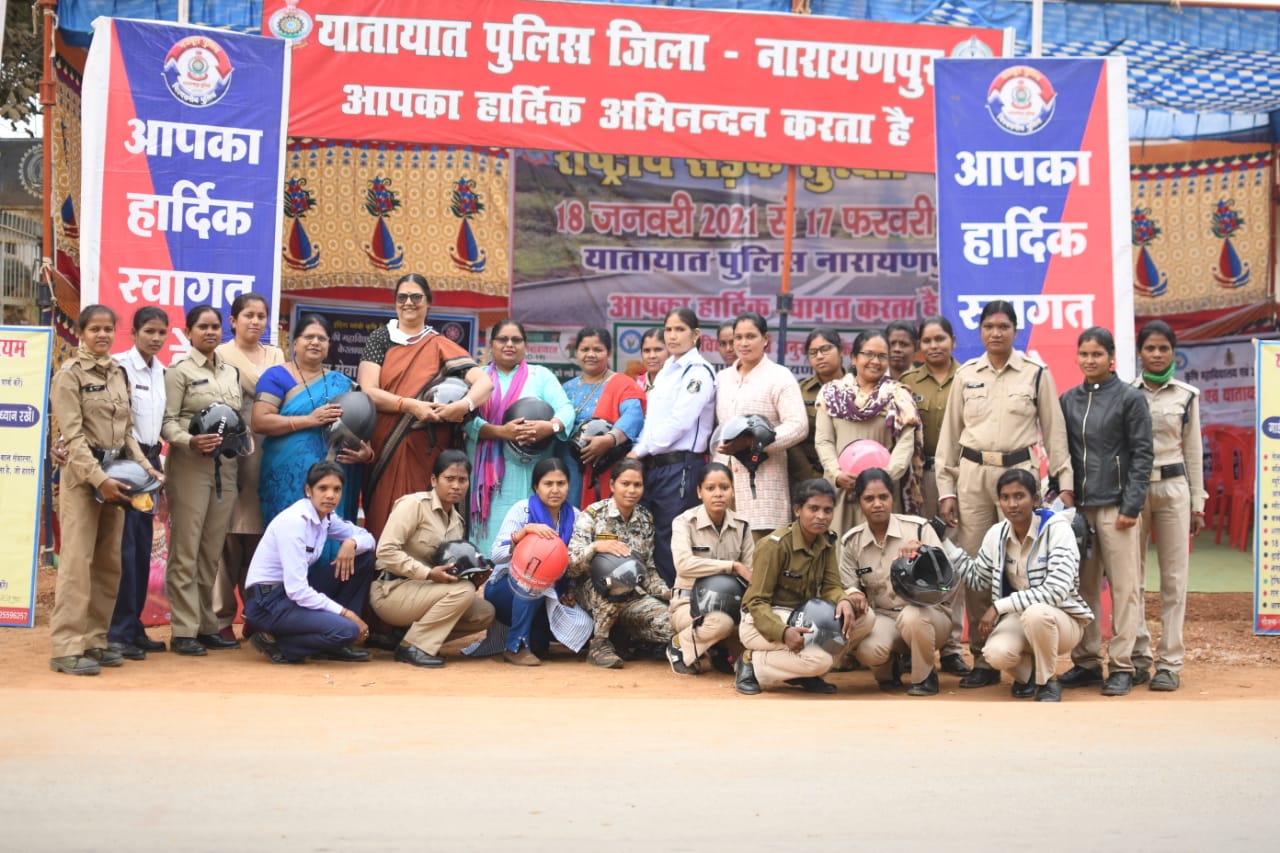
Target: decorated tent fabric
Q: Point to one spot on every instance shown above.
(363, 214)
(1201, 233)
(65, 145)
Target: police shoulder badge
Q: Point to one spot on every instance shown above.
(694, 386)
(197, 71)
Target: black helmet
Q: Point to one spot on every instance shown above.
(925, 579)
(356, 423)
(820, 615)
(594, 428)
(1084, 534)
(466, 559)
(225, 421)
(140, 485)
(531, 409)
(762, 435)
(448, 390)
(614, 577)
(718, 594)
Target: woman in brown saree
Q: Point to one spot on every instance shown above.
(402, 361)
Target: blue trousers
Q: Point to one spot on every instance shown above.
(668, 491)
(527, 619)
(299, 631)
(135, 574)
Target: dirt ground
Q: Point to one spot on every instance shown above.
(228, 750)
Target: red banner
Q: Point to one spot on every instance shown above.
(620, 79)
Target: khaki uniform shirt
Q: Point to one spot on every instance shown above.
(1175, 433)
(1015, 566)
(417, 527)
(787, 573)
(865, 563)
(999, 410)
(192, 384)
(802, 459)
(699, 550)
(931, 400)
(94, 412)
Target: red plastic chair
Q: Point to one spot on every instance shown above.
(1229, 480)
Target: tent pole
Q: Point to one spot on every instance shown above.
(788, 236)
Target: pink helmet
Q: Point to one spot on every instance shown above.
(862, 454)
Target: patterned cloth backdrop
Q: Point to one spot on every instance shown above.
(363, 214)
(1202, 239)
(65, 145)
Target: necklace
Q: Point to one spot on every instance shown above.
(591, 398)
(306, 385)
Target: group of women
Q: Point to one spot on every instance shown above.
(637, 483)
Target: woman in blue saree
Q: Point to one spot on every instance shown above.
(292, 408)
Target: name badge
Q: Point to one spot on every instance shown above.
(866, 571)
(142, 387)
(310, 550)
(199, 382)
(701, 548)
(89, 389)
(975, 385)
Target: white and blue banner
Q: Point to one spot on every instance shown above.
(183, 146)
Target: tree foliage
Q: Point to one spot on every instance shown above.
(20, 69)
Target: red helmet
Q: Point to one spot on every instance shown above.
(862, 454)
(537, 563)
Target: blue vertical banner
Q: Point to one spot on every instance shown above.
(1033, 202)
(183, 146)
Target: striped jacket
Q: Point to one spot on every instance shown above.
(1053, 568)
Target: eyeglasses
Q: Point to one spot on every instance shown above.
(874, 356)
(822, 350)
(314, 339)
(513, 339)
(411, 298)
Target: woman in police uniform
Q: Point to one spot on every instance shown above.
(90, 399)
(198, 516)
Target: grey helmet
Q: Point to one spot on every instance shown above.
(819, 615)
(614, 577)
(448, 390)
(720, 593)
(466, 559)
(140, 485)
(355, 424)
(594, 428)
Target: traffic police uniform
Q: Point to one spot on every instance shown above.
(89, 397)
(701, 550)
(673, 445)
(1176, 492)
(786, 573)
(898, 626)
(198, 520)
(993, 421)
(401, 595)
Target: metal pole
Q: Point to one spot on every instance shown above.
(784, 294)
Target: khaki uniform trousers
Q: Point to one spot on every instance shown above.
(237, 553)
(929, 488)
(197, 530)
(715, 627)
(88, 571)
(913, 629)
(1115, 556)
(433, 612)
(1027, 645)
(774, 663)
(976, 501)
(1168, 513)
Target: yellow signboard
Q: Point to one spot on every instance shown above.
(24, 408)
(1266, 518)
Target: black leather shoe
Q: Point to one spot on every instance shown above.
(981, 677)
(1118, 684)
(345, 654)
(147, 644)
(904, 664)
(266, 644)
(216, 642)
(955, 665)
(812, 684)
(1050, 691)
(1023, 690)
(721, 661)
(388, 642)
(128, 651)
(1079, 676)
(188, 646)
(744, 679)
(417, 657)
(1141, 676)
(928, 687)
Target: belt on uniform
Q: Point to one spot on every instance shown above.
(388, 576)
(1168, 472)
(106, 457)
(675, 457)
(264, 588)
(151, 451)
(996, 458)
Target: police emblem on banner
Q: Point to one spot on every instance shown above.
(1021, 100)
(291, 24)
(197, 71)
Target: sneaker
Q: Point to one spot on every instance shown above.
(105, 657)
(602, 654)
(74, 665)
(675, 657)
(524, 657)
(1165, 681)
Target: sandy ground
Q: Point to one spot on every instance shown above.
(230, 751)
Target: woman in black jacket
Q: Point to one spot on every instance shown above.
(1109, 435)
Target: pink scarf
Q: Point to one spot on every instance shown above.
(892, 401)
(491, 464)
